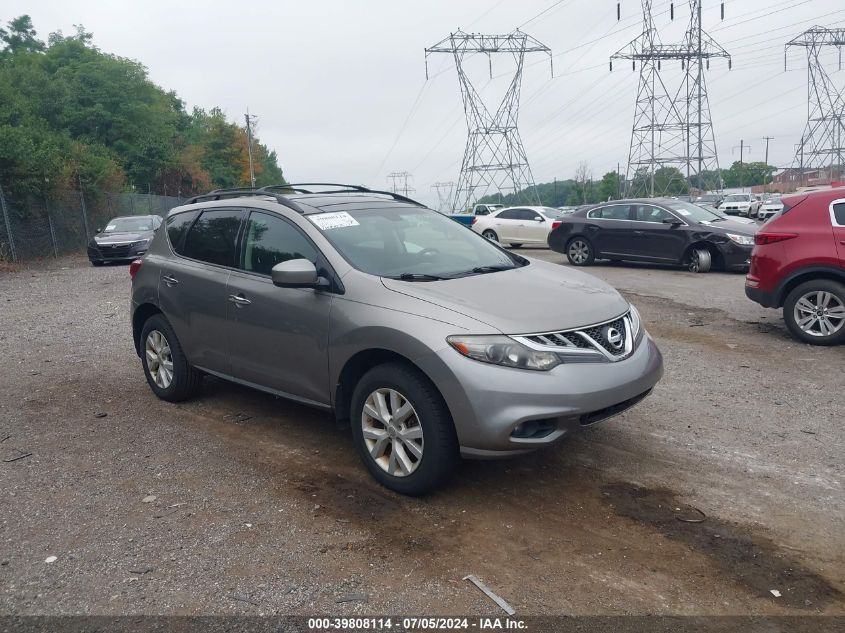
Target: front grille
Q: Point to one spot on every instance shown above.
(119, 250)
(611, 339)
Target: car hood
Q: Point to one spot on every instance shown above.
(735, 226)
(109, 238)
(539, 297)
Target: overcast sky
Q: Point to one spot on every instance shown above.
(340, 91)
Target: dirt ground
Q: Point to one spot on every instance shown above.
(262, 507)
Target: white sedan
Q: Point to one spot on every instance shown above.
(519, 225)
(771, 206)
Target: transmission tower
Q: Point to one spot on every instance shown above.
(494, 157)
(399, 182)
(672, 140)
(444, 195)
(822, 141)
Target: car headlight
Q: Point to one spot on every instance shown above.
(636, 322)
(503, 350)
(745, 240)
(141, 243)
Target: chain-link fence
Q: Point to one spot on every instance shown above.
(32, 227)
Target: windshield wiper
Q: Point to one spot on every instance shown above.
(419, 277)
(491, 269)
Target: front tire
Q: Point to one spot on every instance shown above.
(96, 263)
(814, 312)
(403, 430)
(579, 251)
(518, 245)
(168, 372)
(699, 260)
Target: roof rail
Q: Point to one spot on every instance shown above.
(300, 187)
(241, 192)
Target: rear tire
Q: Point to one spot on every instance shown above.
(421, 447)
(579, 251)
(167, 370)
(800, 312)
(699, 260)
(490, 234)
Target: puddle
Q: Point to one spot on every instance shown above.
(744, 557)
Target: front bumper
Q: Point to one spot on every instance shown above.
(736, 210)
(737, 257)
(115, 253)
(488, 402)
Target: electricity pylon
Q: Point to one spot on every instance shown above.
(494, 157)
(672, 139)
(822, 141)
(399, 182)
(444, 195)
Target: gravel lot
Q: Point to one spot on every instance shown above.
(239, 502)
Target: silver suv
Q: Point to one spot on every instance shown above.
(429, 340)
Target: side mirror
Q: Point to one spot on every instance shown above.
(672, 221)
(539, 220)
(296, 273)
(98, 230)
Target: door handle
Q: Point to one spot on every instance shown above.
(639, 232)
(170, 281)
(239, 300)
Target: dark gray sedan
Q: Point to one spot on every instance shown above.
(659, 230)
(123, 239)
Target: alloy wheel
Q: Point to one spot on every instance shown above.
(694, 262)
(392, 432)
(159, 359)
(819, 313)
(579, 251)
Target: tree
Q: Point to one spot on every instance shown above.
(748, 174)
(70, 113)
(610, 186)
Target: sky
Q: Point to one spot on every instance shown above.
(341, 94)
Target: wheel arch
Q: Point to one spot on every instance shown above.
(358, 365)
(807, 274)
(142, 313)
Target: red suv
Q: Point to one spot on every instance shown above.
(798, 263)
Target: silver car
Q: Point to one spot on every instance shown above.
(430, 341)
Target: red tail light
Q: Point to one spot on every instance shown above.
(772, 238)
(134, 267)
(556, 224)
(474, 220)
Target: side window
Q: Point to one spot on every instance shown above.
(509, 214)
(177, 226)
(614, 212)
(269, 240)
(839, 213)
(648, 213)
(212, 237)
(528, 214)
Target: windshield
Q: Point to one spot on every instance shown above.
(737, 198)
(773, 199)
(692, 212)
(411, 242)
(129, 225)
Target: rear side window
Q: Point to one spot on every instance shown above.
(270, 240)
(615, 212)
(213, 236)
(839, 213)
(177, 226)
(510, 214)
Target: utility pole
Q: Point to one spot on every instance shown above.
(249, 147)
(494, 157)
(767, 139)
(742, 147)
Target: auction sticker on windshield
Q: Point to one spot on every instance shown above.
(337, 220)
